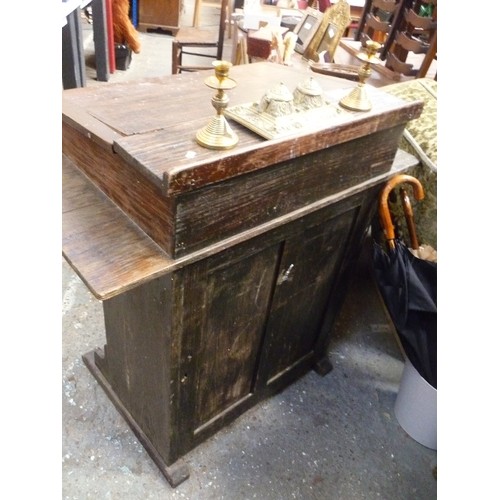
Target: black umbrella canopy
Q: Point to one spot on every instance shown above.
(408, 285)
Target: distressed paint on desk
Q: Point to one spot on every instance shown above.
(148, 133)
(220, 292)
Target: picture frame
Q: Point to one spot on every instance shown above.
(327, 40)
(328, 34)
(306, 28)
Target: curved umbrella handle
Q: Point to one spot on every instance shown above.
(385, 214)
(408, 211)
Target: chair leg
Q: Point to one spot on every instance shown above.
(176, 57)
(229, 19)
(429, 57)
(196, 14)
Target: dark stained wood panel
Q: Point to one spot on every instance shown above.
(306, 276)
(139, 361)
(223, 327)
(109, 252)
(135, 194)
(226, 208)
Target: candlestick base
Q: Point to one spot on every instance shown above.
(217, 134)
(357, 100)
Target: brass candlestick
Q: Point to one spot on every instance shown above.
(357, 99)
(218, 134)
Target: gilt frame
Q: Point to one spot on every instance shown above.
(334, 22)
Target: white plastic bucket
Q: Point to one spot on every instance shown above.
(416, 407)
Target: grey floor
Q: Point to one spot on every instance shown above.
(332, 437)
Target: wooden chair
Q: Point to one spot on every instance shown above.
(199, 4)
(192, 41)
(415, 35)
(378, 21)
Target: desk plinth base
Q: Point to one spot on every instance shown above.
(323, 366)
(175, 474)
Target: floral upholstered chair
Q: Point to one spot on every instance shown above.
(420, 139)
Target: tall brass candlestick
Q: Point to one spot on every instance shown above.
(218, 134)
(357, 99)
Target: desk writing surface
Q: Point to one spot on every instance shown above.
(152, 123)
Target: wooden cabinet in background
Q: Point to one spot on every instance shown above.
(163, 14)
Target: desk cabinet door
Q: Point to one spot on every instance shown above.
(308, 270)
(249, 316)
(225, 306)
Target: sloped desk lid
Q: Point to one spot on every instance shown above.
(152, 123)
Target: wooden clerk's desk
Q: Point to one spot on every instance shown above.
(220, 272)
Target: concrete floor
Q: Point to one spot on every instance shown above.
(332, 437)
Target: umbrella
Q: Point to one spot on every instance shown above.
(408, 284)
